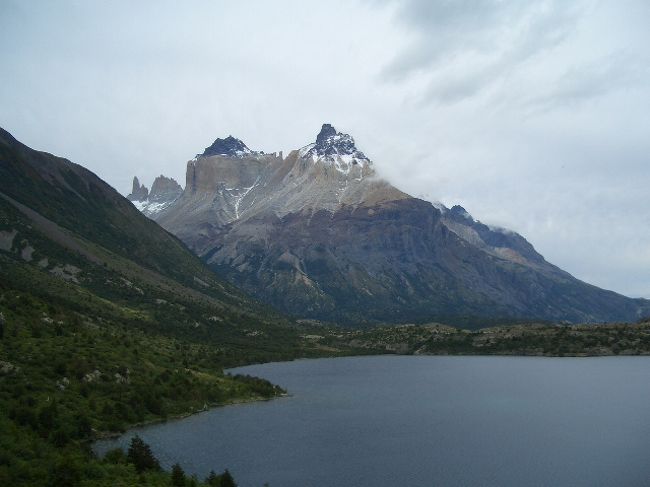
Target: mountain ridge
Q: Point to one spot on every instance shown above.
(320, 235)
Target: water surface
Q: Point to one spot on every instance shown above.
(426, 421)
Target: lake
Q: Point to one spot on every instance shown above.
(426, 421)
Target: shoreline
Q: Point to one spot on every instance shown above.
(110, 435)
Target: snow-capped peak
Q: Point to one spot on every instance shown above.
(230, 146)
(335, 147)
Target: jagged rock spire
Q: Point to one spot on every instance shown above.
(138, 192)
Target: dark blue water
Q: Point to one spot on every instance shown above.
(427, 421)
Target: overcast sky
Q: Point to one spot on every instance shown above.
(534, 116)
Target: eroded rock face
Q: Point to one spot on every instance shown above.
(319, 235)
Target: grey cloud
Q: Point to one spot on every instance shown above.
(581, 83)
(497, 36)
(443, 29)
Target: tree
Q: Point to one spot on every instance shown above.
(140, 455)
(83, 427)
(178, 476)
(223, 480)
(213, 479)
(227, 480)
(66, 473)
(115, 456)
(48, 418)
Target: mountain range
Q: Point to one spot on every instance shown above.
(320, 235)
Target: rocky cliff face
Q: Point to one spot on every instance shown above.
(319, 235)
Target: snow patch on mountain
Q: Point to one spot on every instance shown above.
(151, 208)
(240, 194)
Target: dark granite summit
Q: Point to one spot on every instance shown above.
(330, 143)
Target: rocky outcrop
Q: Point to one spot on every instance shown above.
(320, 235)
(139, 192)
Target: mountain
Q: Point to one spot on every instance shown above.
(320, 235)
(67, 234)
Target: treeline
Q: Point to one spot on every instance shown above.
(142, 459)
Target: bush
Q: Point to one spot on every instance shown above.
(115, 456)
(178, 476)
(66, 473)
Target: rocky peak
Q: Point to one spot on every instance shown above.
(164, 189)
(230, 146)
(458, 212)
(325, 134)
(331, 144)
(138, 192)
